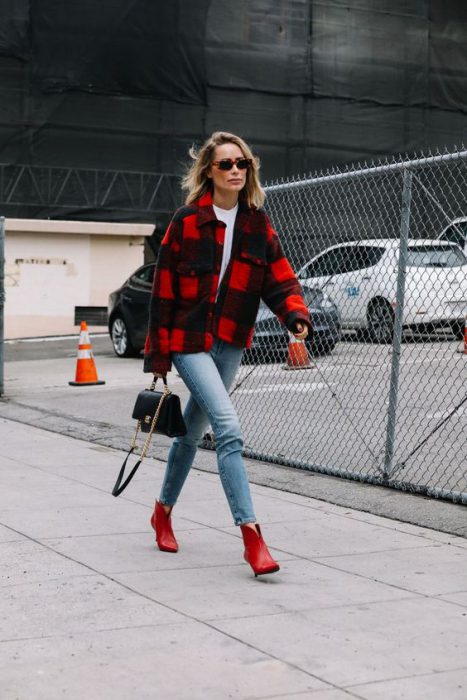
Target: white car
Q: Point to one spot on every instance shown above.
(456, 232)
(361, 277)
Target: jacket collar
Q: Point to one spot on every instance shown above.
(206, 212)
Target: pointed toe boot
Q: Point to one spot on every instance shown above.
(256, 552)
(161, 522)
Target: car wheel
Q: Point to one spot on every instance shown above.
(380, 322)
(121, 339)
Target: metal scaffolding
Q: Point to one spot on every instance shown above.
(73, 189)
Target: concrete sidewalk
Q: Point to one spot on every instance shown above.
(363, 607)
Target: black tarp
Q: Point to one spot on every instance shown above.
(129, 85)
(136, 47)
(448, 55)
(260, 45)
(14, 28)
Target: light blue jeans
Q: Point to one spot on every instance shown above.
(208, 376)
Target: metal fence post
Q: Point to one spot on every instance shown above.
(397, 337)
(2, 296)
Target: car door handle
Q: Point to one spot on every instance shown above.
(127, 299)
(366, 277)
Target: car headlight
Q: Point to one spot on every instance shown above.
(316, 297)
(326, 302)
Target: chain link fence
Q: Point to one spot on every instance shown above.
(381, 254)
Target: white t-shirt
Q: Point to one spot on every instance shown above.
(228, 216)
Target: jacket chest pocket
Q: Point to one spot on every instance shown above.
(253, 250)
(194, 278)
(254, 257)
(249, 272)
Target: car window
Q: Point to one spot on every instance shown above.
(143, 277)
(343, 259)
(457, 233)
(332, 262)
(435, 256)
(363, 256)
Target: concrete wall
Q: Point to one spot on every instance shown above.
(53, 266)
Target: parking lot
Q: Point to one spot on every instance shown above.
(334, 416)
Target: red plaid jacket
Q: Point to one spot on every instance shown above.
(184, 315)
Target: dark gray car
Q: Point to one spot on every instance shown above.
(128, 311)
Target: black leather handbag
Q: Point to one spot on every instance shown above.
(170, 420)
(156, 412)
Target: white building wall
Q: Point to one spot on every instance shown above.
(52, 266)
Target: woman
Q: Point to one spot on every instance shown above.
(218, 258)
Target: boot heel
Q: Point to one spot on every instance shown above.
(256, 552)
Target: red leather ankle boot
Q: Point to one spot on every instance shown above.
(256, 551)
(161, 522)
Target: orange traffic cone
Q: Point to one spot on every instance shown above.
(297, 355)
(463, 349)
(86, 373)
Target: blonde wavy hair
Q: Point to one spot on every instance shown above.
(197, 182)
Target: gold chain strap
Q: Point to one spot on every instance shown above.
(153, 424)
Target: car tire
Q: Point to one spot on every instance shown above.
(380, 322)
(120, 338)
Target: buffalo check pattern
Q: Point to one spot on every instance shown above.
(188, 308)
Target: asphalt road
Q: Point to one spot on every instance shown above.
(335, 416)
(54, 348)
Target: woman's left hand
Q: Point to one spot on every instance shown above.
(300, 331)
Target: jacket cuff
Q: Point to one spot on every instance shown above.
(292, 318)
(157, 364)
